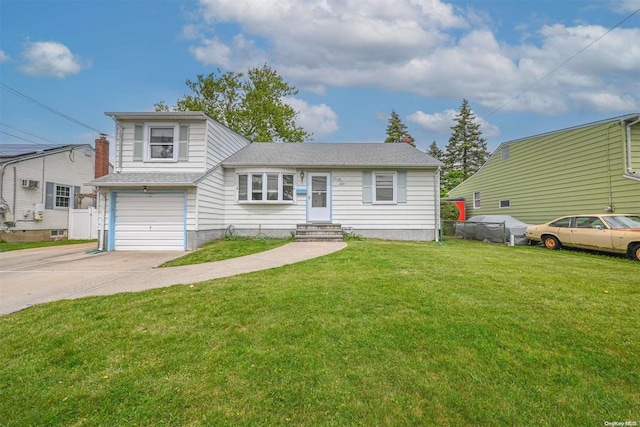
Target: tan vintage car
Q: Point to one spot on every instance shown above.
(617, 233)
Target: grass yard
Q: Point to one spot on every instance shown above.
(7, 246)
(380, 333)
(218, 250)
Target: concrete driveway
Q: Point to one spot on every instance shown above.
(35, 276)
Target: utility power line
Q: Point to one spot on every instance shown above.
(52, 110)
(558, 67)
(24, 139)
(29, 133)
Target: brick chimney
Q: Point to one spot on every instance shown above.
(102, 156)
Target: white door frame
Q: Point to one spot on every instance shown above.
(319, 213)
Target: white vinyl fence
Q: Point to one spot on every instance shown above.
(83, 224)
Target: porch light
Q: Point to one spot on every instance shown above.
(301, 175)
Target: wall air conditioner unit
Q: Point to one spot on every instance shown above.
(27, 183)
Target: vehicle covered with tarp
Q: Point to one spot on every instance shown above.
(493, 228)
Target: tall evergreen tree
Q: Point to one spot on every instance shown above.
(435, 151)
(397, 131)
(466, 150)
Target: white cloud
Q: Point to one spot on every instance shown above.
(441, 123)
(240, 54)
(51, 59)
(319, 119)
(427, 47)
(625, 6)
(3, 56)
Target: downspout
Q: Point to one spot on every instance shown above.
(436, 197)
(15, 192)
(629, 162)
(119, 135)
(102, 209)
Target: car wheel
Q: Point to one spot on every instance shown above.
(635, 252)
(551, 242)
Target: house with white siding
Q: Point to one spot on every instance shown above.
(182, 179)
(39, 186)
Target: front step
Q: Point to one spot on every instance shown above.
(318, 233)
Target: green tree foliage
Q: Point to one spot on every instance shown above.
(466, 150)
(435, 152)
(449, 211)
(450, 178)
(251, 105)
(397, 131)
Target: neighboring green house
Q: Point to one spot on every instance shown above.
(585, 169)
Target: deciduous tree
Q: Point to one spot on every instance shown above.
(251, 105)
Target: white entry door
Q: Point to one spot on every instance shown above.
(319, 197)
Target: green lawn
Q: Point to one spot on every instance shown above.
(6, 246)
(218, 250)
(380, 333)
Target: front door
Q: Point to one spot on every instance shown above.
(319, 197)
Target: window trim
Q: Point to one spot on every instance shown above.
(505, 153)
(146, 138)
(264, 191)
(67, 197)
(477, 201)
(504, 207)
(394, 184)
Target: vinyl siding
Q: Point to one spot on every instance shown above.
(222, 142)
(347, 206)
(578, 170)
(196, 151)
(417, 213)
(211, 201)
(72, 168)
(635, 148)
(258, 215)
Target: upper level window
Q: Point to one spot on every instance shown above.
(384, 190)
(476, 200)
(162, 141)
(265, 187)
(504, 151)
(503, 204)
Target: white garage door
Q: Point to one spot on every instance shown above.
(149, 221)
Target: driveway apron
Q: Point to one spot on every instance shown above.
(35, 276)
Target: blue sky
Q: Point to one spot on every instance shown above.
(352, 61)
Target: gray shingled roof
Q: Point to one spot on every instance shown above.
(334, 155)
(136, 179)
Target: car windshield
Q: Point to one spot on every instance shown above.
(623, 221)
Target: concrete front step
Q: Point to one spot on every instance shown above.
(318, 233)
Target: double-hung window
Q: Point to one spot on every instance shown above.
(388, 187)
(265, 187)
(62, 196)
(384, 190)
(161, 142)
(476, 200)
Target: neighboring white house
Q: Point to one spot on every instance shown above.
(181, 179)
(37, 189)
